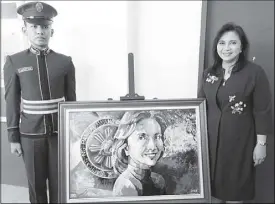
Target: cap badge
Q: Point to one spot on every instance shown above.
(39, 7)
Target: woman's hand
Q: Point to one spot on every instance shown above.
(259, 154)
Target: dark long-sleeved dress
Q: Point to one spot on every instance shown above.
(236, 113)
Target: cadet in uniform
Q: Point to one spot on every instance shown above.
(36, 80)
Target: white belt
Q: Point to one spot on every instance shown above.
(41, 107)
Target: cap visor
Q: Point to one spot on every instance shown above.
(38, 21)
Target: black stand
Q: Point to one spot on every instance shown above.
(131, 78)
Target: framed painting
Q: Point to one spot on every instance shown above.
(133, 151)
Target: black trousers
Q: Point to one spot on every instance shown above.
(40, 156)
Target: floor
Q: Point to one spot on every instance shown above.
(14, 194)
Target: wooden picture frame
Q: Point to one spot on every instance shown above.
(106, 147)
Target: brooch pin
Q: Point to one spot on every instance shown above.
(232, 98)
(238, 107)
(211, 78)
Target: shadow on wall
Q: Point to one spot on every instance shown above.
(12, 167)
(265, 176)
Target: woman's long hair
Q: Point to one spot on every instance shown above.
(244, 46)
(126, 128)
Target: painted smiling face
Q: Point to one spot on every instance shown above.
(145, 144)
(229, 47)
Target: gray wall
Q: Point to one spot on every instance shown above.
(257, 19)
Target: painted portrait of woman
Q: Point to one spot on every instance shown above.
(138, 145)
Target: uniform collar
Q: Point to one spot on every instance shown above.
(38, 52)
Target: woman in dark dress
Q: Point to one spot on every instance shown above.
(239, 116)
(138, 146)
